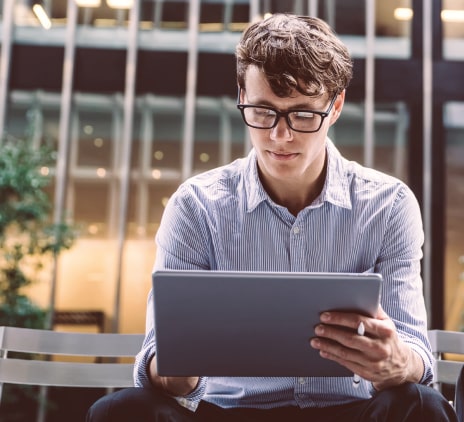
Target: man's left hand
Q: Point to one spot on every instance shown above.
(379, 356)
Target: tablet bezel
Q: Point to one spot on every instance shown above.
(227, 323)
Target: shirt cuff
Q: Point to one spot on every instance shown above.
(427, 375)
(192, 400)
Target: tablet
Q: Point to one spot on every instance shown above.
(215, 323)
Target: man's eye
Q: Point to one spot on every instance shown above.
(264, 112)
(303, 115)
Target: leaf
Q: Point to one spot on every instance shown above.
(27, 237)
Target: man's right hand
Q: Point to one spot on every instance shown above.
(174, 386)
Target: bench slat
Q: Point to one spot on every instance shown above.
(66, 374)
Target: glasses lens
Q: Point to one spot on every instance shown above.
(259, 117)
(304, 121)
(265, 118)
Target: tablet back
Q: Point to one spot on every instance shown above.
(214, 323)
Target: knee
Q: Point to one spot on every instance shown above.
(422, 401)
(97, 411)
(121, 405)
(433, 402)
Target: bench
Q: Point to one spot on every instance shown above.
(448, 349)
(112, 374)
(111, 367)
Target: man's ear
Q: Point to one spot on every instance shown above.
(241, 99)
(337, 108)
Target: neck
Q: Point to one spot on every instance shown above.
(295, 196)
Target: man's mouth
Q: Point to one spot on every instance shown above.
(282, 155)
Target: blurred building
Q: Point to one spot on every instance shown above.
(137, 95)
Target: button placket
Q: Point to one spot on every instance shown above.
(297, 248)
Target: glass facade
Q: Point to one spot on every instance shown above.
(454, 276)
(453, 29)
(157, 80)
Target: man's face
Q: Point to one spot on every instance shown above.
(284, 154)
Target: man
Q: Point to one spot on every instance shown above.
(292, 74)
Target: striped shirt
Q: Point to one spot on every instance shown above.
(363, 221)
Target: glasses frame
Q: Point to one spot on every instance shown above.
(280, 114)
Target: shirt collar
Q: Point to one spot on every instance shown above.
(335, 190)
(255, 193)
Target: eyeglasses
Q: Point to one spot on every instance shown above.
(265, 117)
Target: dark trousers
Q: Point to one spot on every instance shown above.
(408, 402)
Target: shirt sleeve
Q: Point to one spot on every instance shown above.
(180, 245)
(399, 263)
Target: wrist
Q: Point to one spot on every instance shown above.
(416, 367)
(174, 386)
(178, 386)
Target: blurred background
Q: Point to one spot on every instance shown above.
(137, 95)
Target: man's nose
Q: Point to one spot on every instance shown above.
(282, 131)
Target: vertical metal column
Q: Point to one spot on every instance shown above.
(427, 31)
(5, 59)
(72, 165)
(253, 17)
(117, 118)
(313, 7)
(64, 141)
(225, 135)
(330, 12)
(62, 164)
(158, 11)
(227, 15)
(254, 10)
(369, 85)
(265, 7)
(145, 155)
(125, 170)
(37, 119)
(400, 139)
(192, 70)
(298, 7)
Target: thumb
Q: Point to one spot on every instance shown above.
(381, 313)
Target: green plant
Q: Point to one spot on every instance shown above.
(28, 239)
(28, 242)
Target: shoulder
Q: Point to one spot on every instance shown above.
(213, 185)
(352, 184)
(376, 182)
(377, 192)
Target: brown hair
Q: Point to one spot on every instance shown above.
(295, 52)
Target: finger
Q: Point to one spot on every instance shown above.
(350, 358)
(348, 320)
(346, 345)
(381, 326)
(370, 368)
(331, 337)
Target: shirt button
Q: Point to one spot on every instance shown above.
(302, 380)
(296, 230)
